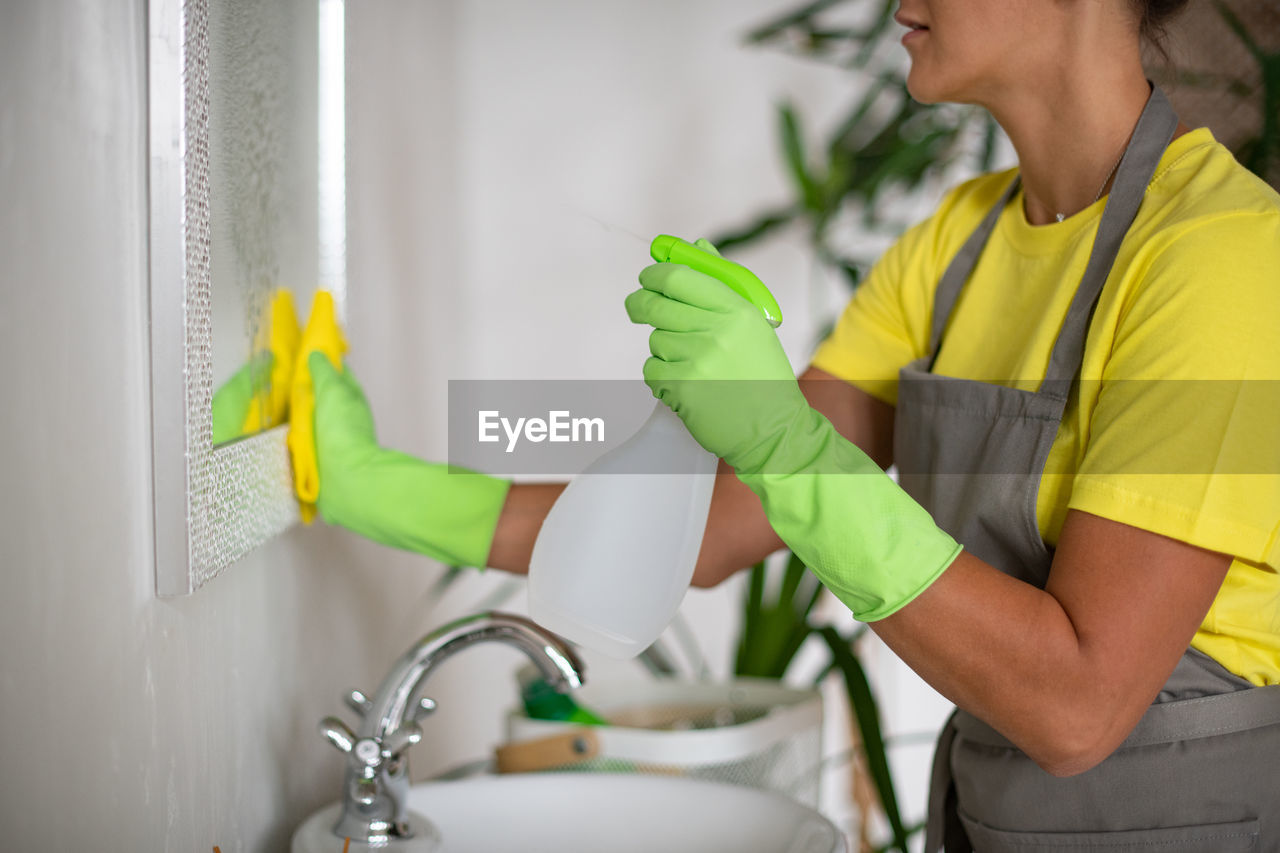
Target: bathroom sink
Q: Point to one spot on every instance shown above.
(597, 813)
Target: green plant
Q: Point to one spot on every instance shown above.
(775, 625)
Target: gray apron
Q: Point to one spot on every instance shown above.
(1201, 771)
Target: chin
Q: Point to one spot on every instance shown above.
(927, 86)
(922, 88)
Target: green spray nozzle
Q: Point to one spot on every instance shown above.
(743, 281)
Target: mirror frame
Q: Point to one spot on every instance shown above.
(212, 505)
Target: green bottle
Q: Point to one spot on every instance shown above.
(544, 702)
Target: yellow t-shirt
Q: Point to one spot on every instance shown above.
(1176, 428)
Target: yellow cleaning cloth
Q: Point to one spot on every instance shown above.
(321, 335)
(279, 335)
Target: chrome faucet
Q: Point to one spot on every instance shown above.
(375, 791)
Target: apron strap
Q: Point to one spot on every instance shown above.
(1151, 136)
(942, 829)
(952, 281)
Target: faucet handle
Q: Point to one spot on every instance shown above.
(370, 752)
(357, 702)
(425, 708)
(338, 733)
(401, 739)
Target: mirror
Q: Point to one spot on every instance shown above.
(247, 148)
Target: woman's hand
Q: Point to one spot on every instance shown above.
(1064, 672)
(716, 362)
(233, 400)
(390, 497)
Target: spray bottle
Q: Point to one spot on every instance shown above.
(616, 552)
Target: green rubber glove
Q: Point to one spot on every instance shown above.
(719, 366)
(231, 402)
(716, 362)
(446, 513)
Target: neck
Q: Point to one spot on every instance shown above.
(1069, 132)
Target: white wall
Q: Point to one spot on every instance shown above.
(588, 129)
(509, 161)
(129, 723)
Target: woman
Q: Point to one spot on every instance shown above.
(1071, 367)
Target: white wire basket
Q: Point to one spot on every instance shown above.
(751, 732)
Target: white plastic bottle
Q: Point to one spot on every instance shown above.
(617, 550)
(616, 553)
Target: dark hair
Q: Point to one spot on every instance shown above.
(1154, 16)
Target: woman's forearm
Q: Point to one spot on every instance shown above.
(523, 512)
(737, 533)
(1064, 672)
(1006, 652)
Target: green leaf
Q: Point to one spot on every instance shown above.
(446, 580)
(911, 830)
(762, 227)
(872, 35)
(795, 572)
(789, 20)
(798, 594)
(775, 625)
(749, 640)
(990, 138)
(867, 714)
(854, 124)
(793, 151)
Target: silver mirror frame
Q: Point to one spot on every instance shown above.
(212, 505)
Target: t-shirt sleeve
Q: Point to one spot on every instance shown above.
(1185, 437)
(885, 325)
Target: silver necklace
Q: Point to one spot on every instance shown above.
(1105, 181)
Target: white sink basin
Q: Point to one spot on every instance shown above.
(600, 813)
